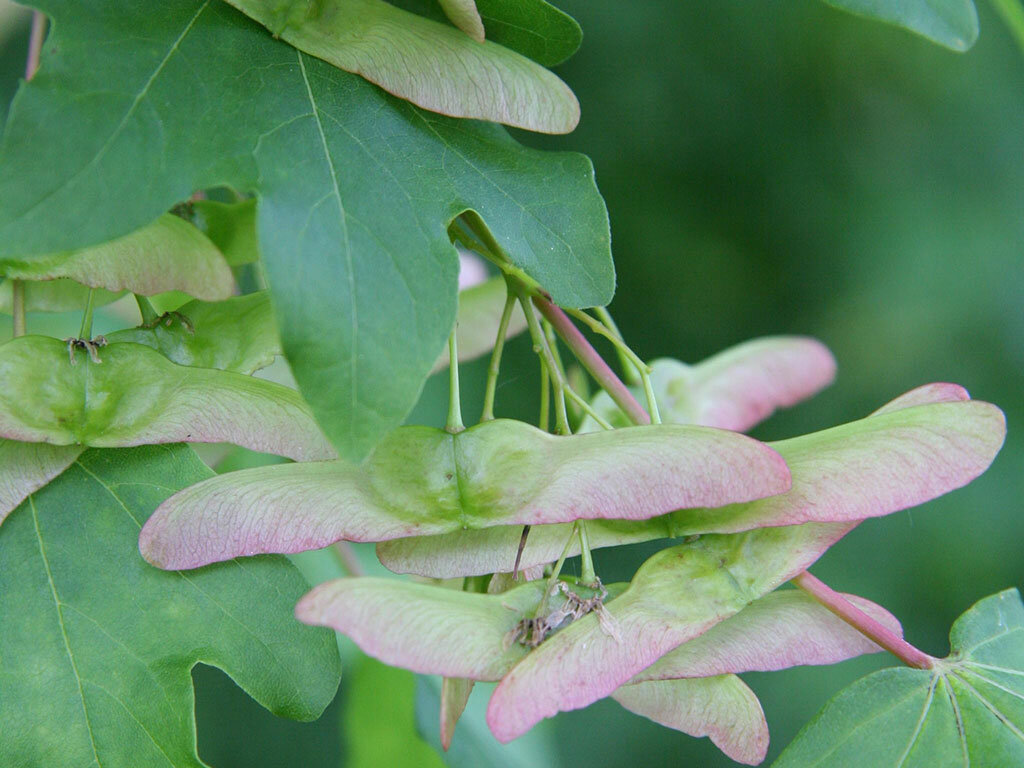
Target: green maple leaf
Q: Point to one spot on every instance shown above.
(355, 188)
(966, 711)
(96, 646)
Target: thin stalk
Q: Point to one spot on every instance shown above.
(347, 558)
(18, 307)
(863, 623)
(35, 44)
(146, 309)
(592, 361)
(622, 348)
(557, 571)
(1012, 13)
(628, 371)
(587, 408)
(454, 423)
(544, 420)
(85, 332)
(540, 345)
(587, 575)
(495, 366)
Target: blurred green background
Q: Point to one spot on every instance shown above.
(770, 167)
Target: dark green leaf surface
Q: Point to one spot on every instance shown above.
(534, 28)
(967, 711)
(231, 227)
(96, 646)
(355, 188)
(952, 23)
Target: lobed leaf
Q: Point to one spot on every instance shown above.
(352, 212)
(97, 647)
(967, 710)
(736, 389)
(951, 23)
(27, 467)
(135, 396)
(924, 444)
(237, 334)
(785, 628)
(423, 480)
(167, 255)
(722, 708)
(418, 59)
(675, 596)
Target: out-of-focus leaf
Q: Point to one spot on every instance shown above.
(168, 255)
(231, 227)
(96, 646)
(722, 708)
(27, 467)
(353, 212)
(675, 596)
(736, 389)
(464, 15)
(60, 295)
(785, 628)
(422, 480)
(135, 396)
(237, 334)
(952, 23)
(430, 64)
(380, 720)
(480, 309)
(924, 444)
(967, 710)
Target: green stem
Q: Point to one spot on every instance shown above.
(557, 571)
(544, 420)
(347, 558)
(18, 307)
(623, 349)
(540, 345)
(587, 575)
(454, 423)
(85, 332)
(146, 309)
(628, 371)
(1012, 13)
(495, 366)
(592, 361)
(863, 623)
(587, 408)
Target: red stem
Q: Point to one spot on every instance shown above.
(863, 623)
(592, 361)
